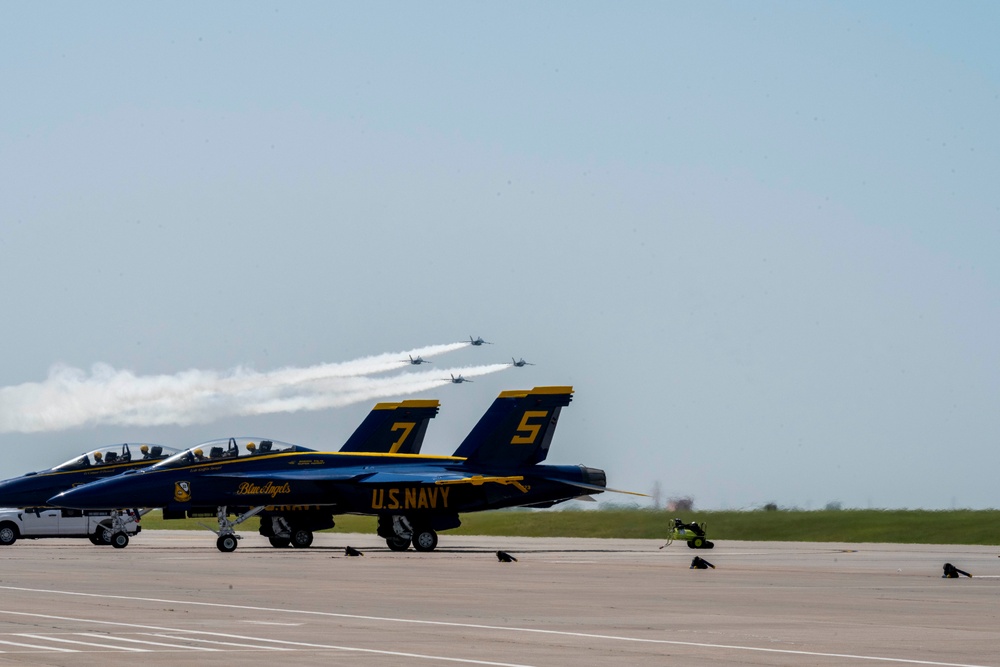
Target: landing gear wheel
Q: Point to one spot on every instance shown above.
(8, 535)
(302, 538)
(398, 543)
(279, 542)
(226, 543)
(119, 540)
(425, 540)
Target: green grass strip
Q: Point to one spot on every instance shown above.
(896, 526)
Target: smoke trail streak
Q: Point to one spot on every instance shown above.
(70, 397)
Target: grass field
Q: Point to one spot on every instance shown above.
(900, 526)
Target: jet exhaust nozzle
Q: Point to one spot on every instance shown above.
(594, 476)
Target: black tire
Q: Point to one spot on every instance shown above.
(279, 542)
(709, 544)
(101, 536)
(226, 543)
(398, 543)
(302, 538)
(8, 534)
(119, 540)
(697, 543)
(691, 544)
(425, 540)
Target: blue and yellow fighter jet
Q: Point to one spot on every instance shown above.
(389, 428)
(414, 496)
(35, 488)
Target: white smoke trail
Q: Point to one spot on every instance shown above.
(70, 397)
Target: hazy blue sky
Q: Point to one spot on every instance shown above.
(761, 240)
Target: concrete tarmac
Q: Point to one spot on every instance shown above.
(171, 598)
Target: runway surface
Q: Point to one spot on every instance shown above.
(171, 598)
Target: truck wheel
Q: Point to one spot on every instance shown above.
(119, 540)
(103, 534)
(8, 534)
(101, 537)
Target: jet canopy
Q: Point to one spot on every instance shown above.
(113, 454)
(227, 449)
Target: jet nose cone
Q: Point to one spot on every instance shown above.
(60, 500)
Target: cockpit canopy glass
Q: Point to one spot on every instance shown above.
(227, 449)
(129, 452)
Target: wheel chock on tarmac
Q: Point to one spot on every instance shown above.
(351, 551)
(699, 563)
(505, 557)
(952, 572)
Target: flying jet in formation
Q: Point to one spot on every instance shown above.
(499, 464)
(520, 363)
(417, 361)
(459, 379)
(478, 341)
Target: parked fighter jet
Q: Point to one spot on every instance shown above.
(459, 379)
(390, 428)
(35, 488)
(520, 363)
(417, 361)
(478, 341)
(414, 496)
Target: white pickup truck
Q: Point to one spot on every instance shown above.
(36, 522)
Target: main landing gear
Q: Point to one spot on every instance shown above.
(282, 532)
(399, 532)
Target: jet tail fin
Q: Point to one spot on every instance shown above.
(517, 428)
(393, 428)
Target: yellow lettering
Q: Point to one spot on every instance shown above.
(393, 499)
(406, 427)
(411, 497)
(530, 430)
(445, 490)
(422, 503)
(377, 497)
